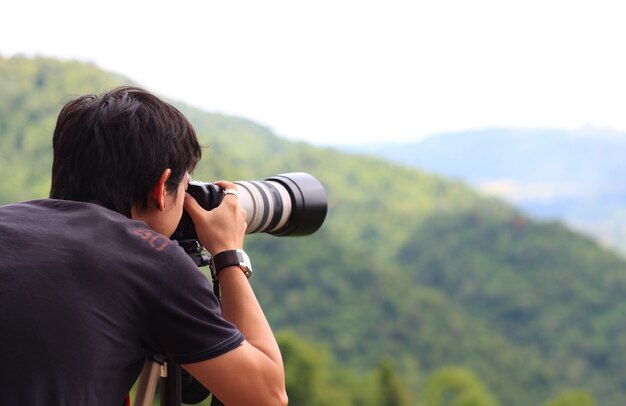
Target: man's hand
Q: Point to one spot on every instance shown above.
(222, 228)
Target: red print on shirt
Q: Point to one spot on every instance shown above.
(156, 241)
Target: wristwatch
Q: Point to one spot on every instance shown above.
(230, 258)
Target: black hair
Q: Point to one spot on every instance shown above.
(112, 149)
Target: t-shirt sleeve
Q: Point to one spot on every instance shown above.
(185, 319)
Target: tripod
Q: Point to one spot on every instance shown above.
(176, 386)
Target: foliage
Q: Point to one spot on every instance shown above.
(391, 389)
(452, 386)
(312, 375)
(572, 398)
(540, 284)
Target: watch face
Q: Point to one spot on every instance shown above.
(243, 258)
(244, 263)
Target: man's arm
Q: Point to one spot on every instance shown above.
(253, 373)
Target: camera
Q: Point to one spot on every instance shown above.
(289, 204)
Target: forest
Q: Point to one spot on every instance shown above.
(417, 290)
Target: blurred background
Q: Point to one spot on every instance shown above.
(473, 155)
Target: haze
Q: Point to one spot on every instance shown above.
(340, 72)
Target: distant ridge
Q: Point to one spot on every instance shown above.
(575, 176)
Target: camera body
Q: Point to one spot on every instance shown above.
(289, 204)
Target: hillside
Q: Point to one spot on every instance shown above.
(408, 265)
(574, 176)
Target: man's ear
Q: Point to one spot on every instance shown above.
(158, 190)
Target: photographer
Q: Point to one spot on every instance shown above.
(91, 285)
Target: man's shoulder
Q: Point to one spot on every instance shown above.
(47, 207)
(57, 216)
(85, 222)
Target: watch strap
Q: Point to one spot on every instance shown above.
(230, 258)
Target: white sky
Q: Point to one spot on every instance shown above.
(332, 72)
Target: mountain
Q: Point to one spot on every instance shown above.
(408, 266)
(574, 176)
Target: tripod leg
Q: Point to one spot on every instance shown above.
(171, 385)
(147, 384)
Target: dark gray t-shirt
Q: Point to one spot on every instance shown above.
(86, 295)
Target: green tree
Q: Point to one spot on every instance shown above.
(307, 370)
(454, 386)
(391, 390)
(572, 398)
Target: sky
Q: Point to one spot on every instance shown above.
(345, 71)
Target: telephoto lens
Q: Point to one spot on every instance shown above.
(289, 204)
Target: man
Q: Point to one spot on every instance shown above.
(91, 285)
